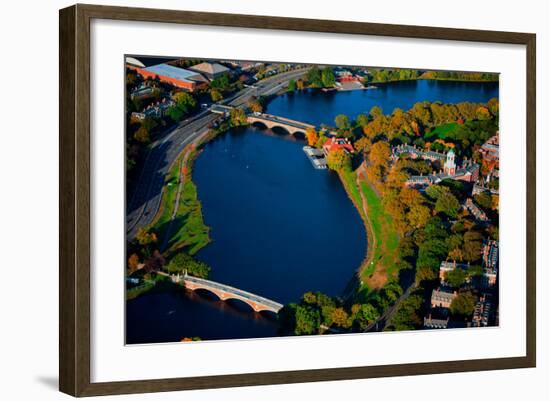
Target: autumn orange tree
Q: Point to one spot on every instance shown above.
(311, 136)
(142, 135)
(255, 105)
(338, 160)
(133, 263)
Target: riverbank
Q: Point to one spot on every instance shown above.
(475, 81)
(382, 238)
(179, 223)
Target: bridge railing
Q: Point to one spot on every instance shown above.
(234, 291)
(282, 120)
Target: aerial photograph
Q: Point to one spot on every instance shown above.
(268, 199)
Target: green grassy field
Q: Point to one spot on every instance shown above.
(349, 181)
(187, 229)
(383, 240)
(384, 255)
(441, 131)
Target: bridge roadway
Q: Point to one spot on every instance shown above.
(225, 292)
(271, 121)
(144, 201)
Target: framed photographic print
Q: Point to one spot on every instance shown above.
(278, 200)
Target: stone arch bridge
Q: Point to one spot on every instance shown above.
(271, 121)
(225, 292)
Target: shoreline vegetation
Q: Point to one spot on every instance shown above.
(381, 237)
(179, 222)
(384, 75)
(405, 230)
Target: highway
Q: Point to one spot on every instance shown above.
(145, 199)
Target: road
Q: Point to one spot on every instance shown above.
(265, 87)
(382, 322)
(145, 200)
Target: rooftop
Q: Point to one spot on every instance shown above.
(210, 68)
(170, 71)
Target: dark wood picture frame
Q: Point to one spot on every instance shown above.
(74, 203)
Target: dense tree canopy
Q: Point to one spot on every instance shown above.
(185, 263)
(463, 305)
(339, 159)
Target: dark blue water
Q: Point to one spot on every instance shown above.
(316, 107)
(172, 315)
(279, 227)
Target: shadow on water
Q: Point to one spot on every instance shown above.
(170, 315)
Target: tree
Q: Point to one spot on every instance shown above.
(291, 85)
(456, 254)
(425, 273)
(339, 159)
(406, 248)
(456, 277)
(484, 200)
(375, 112)
(327, 77)
(340, 318)
(216, 95)
(237, 117)
(342, 121)
(473, 242)
(142, 135)
(311, 136)
(418, 215)
(408, 314)
(363, 315)
(463, 305)
(133, 263)
(493, 106)
(255, 105)
(314, 77)
(145, 237)
(362, 120)
(447, 203)
(307, 320)
(154, 262)
(309, 298)
(184, 101)
(380, 153)
(185, 263)
(221, 82)
(175, 113)
(482, 113)
(363, 144)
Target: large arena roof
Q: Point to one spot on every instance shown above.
(170, 71)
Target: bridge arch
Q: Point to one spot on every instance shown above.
(280, 130)
(275, 122)
(259, 124)
(298, 134)
(224, 293)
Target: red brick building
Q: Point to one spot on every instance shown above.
(178, 77)
(337, 143)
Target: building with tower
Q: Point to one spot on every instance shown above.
(467, 171)
(449, 167)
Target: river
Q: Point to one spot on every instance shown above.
(278, 226)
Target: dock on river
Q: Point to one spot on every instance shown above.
(316, 157)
